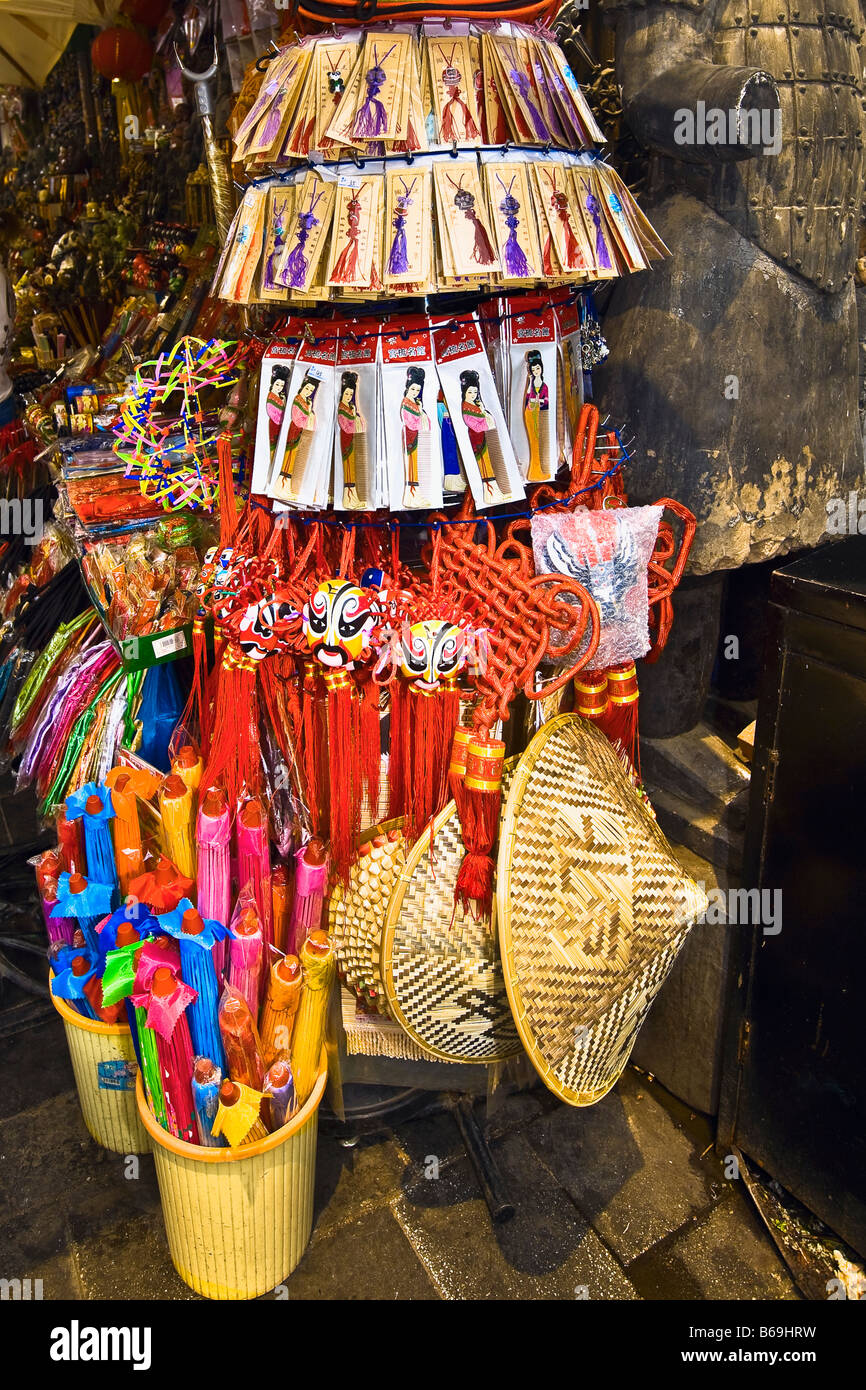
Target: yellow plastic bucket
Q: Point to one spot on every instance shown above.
(105, 1067)
(238, 1220)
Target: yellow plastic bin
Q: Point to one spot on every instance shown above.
(238, 1220)
(103, 1060)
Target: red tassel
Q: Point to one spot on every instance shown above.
(621, 719)
(314, 747)
(457, 769)
(483, 791)
(425, 759)
(371, 744)
(196, 715)
(398, 754)
(234, 757)
(345, 781)
(228, 505)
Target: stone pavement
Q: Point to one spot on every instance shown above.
(622, 1201)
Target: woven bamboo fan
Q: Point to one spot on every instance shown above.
(440, 968)
(356, 913)
(593, 908)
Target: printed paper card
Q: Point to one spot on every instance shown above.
(511, 204)
(603, 264)
(408, 207)
(246, 250)
(268, 93)
(353, 242)
(338, 60)
(454, 97)
(278, 220)
(477, 415)
(383, 64)
(494, 118)
(308, 233)
(468, 247)
(561, 236)
(272, 129)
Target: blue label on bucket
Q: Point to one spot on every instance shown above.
(116, 1076)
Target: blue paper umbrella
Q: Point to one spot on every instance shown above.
(68, 985)
(87, 907)
(98, 844)
(198, 970)
(139, 914)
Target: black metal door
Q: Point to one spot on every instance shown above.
(794, 1090)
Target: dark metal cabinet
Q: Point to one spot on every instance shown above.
(794, 1085)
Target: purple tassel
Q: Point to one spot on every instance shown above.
(295, 269)
(372, 118)
(601, 251)
(516, 264)
(521, 82)
(398, 261)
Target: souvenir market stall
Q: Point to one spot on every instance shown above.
(324, 669)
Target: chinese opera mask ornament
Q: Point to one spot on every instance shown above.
(338, 620)
(432, 653)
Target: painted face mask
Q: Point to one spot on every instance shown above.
(433, 651)
(264, 626)
(338, 620)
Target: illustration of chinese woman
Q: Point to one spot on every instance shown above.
(457, 120)
(350, 423)
(346, 265)
(480, 424)
(414, 421)
(276, 401)
(303, 418)
(536, 401)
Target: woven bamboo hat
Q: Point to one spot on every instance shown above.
(356, 912)
(440, 967)
(592, 908)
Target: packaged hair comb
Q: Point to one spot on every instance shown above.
(410, 388)
(303, 454)
(356, 472)
(532, 410)
(476, 414)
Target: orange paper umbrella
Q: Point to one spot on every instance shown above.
(128, 785)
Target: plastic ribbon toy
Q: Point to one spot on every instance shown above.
(175, 457)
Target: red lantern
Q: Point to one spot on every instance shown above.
(147, 13)
(121, 53)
